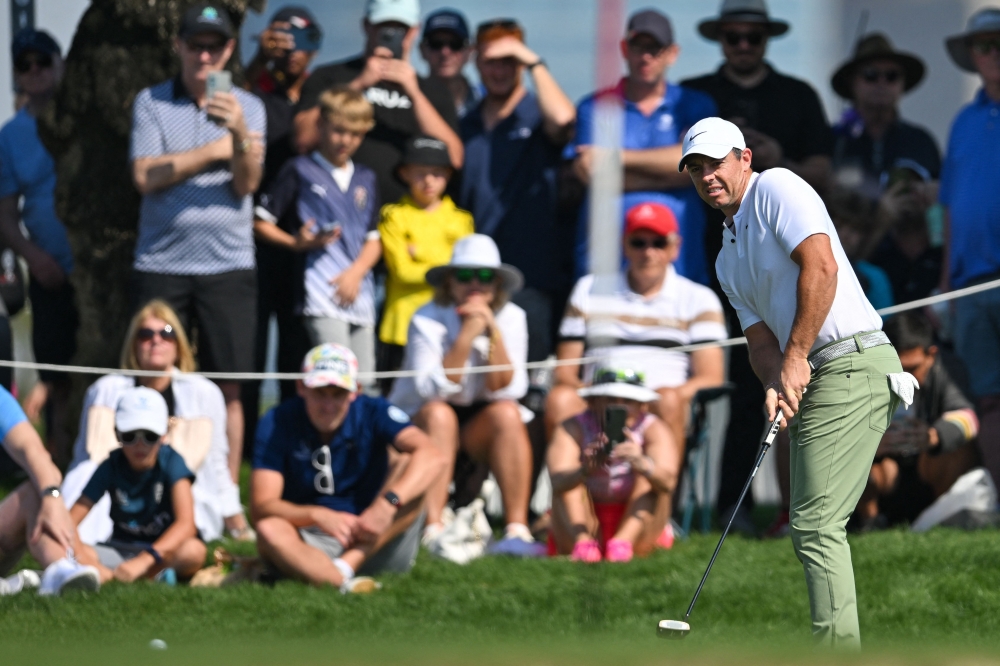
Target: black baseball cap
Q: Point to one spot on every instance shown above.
(426, 151)
(29, 39)
(204, 18)
(447, 19)
(304, 29)
(653, 23)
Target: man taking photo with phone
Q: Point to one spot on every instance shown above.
(405, 105)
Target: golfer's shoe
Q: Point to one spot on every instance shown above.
(618, 550)
(360, 585)
(517, 542)
(586, 551)
(67, 574)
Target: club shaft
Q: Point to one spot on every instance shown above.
(746, 487)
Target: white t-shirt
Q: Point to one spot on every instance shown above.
(432, 333)
(631, 331)
(779, 211)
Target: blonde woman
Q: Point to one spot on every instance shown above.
(156, 341)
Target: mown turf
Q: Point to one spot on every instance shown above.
(923, 599)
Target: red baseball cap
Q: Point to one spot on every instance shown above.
(652, 217)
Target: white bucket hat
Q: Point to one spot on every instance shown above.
(477, 251)
(619, 383)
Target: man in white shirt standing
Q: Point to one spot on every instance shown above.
(815, 343)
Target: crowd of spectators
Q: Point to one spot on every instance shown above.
(435, 225)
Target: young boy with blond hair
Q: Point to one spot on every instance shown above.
(323, 205)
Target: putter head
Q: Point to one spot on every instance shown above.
(673, 629)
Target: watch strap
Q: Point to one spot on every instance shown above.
(155, 553)
(392, 498)
(52, 491)
(540, 61)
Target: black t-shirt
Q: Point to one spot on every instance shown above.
(280, 113)
(854, 147)
(781, 107)
(395, 121)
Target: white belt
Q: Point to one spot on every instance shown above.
(855, 343)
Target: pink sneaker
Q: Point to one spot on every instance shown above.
(666, 538)
(618, 550)
(586, 551)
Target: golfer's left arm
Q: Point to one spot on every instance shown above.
(817, 287)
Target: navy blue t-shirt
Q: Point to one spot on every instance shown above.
(142, 506)
(344, 474)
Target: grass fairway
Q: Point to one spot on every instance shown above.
(932, 598)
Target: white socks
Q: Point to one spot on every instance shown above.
(345, 569)
(519, 531)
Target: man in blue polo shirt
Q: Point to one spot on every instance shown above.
(513, 141)
(196, 160)
(656, 116)
(969, 182)
(327, 496)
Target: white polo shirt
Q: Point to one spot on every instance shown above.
(779, 211)
(626, 329)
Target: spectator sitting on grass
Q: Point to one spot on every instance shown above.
(33, 515)
(151, 501)
(328, 496)
(417, 233)
(471, 323)
(622, 499)
(156, 341)
(925, 449)
(329, 203)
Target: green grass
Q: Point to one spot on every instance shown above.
(923, 599)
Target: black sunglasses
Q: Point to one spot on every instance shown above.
(136, 436)
(215, 48)
(168, 334)
(751, 38)
(874, 74)
(456, 44)
(24, 64)
(646, 47)
(481, 275)
(984, 46)
(660, 242)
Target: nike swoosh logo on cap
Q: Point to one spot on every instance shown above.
(697, 135)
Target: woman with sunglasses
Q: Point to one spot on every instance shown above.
(156, 341)
(470, 323)
(612, 498)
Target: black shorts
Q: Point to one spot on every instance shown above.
(466, 413)
(218, 312)
(53, 328)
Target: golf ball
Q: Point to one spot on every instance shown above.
(157, 644)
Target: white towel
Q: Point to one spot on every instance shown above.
(903, 384)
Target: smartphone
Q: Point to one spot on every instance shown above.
(614, 426)
(218, 82)
(327, 227)
(391, 37)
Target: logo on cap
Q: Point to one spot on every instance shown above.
(210, 15)
(435, 144)
(298, 22)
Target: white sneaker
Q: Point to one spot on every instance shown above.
(67, 574)
(22, 580)
(360, 585)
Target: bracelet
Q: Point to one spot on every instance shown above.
(540, 61)
(155, 553)
(51, 491)
(243, 146)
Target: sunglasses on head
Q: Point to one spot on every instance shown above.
(481, 275)
(24, 64)
(167, 334)
(455, 44)
(874, 75)
(985, 46)
(660, 242)
(136, 436)
(751, 38)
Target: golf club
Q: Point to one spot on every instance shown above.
(677, 629)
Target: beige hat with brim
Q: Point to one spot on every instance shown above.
(477, 251)
(987, 20)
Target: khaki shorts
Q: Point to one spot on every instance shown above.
(397, 556)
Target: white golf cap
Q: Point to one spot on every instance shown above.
(142, 408)
(713, 137)
(406, 12)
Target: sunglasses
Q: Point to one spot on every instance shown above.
(168, 334)
(24, 64)
(438, 43)
(751, 38)
(646, 47)
(611, 376)
(874, 75)
(985, 46)
(136, 436)
(481, 275)
(213, 48)
(659, 243)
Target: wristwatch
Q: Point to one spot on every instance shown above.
(155, 553)
(51, 491)
(243, 146)
(540, 61)
(392, 498)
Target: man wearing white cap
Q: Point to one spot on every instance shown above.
(808, 324)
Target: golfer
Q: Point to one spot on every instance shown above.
(815, 343)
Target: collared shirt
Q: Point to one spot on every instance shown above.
(679, 109)
(638, 332)
(198, 226)
(780, 210)
(27, 169)
(433, 331)
(969, 183)
(344, 473)
(509, 184)
(310, 188)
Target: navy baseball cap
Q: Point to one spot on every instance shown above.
(29, 39)
(304, 29)
(205, 18)
(653, 23)
(447, 19)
